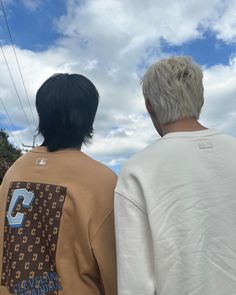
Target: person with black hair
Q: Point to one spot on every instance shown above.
(56, 218)
(66, 106)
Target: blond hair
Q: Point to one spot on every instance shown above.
(174, 88)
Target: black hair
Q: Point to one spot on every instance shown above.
(66, 105)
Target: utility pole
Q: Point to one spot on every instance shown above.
(30, 146)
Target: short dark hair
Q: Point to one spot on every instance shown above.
(66, 105)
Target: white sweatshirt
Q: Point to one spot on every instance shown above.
(175, 217)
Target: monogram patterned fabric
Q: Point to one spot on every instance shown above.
(29, 250)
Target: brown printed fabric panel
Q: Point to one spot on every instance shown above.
(33, 214)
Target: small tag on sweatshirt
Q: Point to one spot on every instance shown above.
(205, 145)
(41, 161)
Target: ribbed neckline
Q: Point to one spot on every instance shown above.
(199, 133)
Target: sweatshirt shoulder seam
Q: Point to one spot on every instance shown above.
(101, 225)
(136, 204)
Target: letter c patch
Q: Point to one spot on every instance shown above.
(28, 197)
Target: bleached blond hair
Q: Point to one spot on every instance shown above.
(174, 88)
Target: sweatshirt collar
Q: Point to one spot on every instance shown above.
(192, 134)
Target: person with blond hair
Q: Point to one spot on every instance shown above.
(175, 201)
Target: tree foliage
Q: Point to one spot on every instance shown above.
(8, 154)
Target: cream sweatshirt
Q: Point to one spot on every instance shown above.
(175, 217)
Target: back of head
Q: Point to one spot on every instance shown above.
(174, 88)
(66, 105)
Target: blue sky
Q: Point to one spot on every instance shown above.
(33, 29)
(207, 50)
(113, 42)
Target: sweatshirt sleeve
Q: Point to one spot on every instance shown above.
(134, 248)
(104, 250)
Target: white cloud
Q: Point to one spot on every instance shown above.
(133, 133)
(109, 41)
(225, 25)
(220, 97)
(32, 5)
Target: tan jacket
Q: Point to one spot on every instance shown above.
(56, 226)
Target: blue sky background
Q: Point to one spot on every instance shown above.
(207, 50)
(33, 29)
(113, 42)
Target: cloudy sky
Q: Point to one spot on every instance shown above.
(112, 42)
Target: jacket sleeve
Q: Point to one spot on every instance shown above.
(104, 250)
(134, 249)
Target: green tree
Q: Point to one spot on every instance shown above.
(8, 154)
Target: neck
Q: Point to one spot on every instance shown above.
(184, 125)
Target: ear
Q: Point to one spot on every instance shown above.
(149, 107)
(152, 114)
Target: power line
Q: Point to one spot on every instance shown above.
(17, 61)
(33, 145)
(14, 85)
(11, 122)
